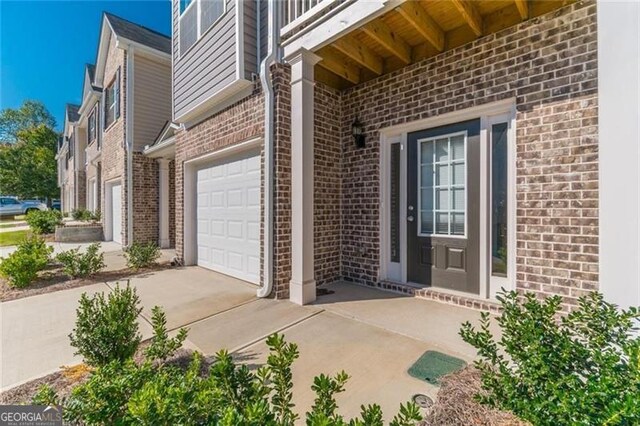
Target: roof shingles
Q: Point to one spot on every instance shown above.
(139, 34)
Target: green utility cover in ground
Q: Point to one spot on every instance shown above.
(432, 365)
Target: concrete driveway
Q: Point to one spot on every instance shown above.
(374, 336)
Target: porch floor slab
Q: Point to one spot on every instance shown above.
(432, 322)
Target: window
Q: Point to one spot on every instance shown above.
(9, 202)
(92, 126)
(499, 192)
(443, 189)
(196, 17)
(184, 4)
(112, 101)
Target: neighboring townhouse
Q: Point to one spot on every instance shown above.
(126, 101)
(70, 158)
(90, 114)
(447, 149)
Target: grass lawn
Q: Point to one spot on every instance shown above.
(12, 238)
(11, 225)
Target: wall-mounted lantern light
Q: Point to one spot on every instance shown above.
(357, 130)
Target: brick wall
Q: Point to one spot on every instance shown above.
(81, 190)
(549, 65)
(172, 203)
(327, 184)
(146, 200)
(113, 138)
(281, 75)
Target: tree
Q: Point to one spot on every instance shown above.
(30, 114)
(28, 168)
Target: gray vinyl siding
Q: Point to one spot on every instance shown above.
(151, 100)
(251, 64)
(208, 66)
(264, 27)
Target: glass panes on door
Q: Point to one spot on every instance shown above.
(499, 185)
(442, 183)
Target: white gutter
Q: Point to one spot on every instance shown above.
(269, 104)
(129, 142)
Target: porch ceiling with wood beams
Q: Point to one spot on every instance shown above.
(416, 30)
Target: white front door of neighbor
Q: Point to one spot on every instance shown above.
(116, 213)
(228, 216)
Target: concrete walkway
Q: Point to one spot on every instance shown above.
(374, 336)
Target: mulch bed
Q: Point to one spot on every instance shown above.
(53, 279)
(455, 404)
(67, 378)
(62, 382)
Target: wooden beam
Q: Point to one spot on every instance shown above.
(415, 14)
(523, 8)
(470, 15)
(359, 53)
(332, 61)
(380, 32)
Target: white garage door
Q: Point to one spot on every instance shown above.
(116, 213)
(228, 216)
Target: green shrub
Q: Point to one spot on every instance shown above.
(141, 255)
(578, 369)
(21, 267)
(107, 327)
(82, 215)
(162, 347)
(123, 392)
(46, 395)
(44, 221)
(76, 264)
(96, 216)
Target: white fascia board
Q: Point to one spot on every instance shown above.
(166, 149)
(142, 49)
(103, 47)
(326, 30)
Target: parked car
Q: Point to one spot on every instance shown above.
(10, 207)
(55, 204)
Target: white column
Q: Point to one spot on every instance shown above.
(302, 289)
(163, 219)
(619, 132)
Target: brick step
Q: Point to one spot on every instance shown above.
(429, 293)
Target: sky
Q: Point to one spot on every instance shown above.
(44, 46)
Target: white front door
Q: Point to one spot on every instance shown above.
(116, 213)
(228, 216)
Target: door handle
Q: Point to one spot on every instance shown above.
(410, 218)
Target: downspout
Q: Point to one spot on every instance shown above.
(269, 106)
(129, 141)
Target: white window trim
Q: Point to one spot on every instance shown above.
(389, 270)
(449, 187)
(199, 33)
(111, 86)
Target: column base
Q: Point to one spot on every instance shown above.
(302, 293)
